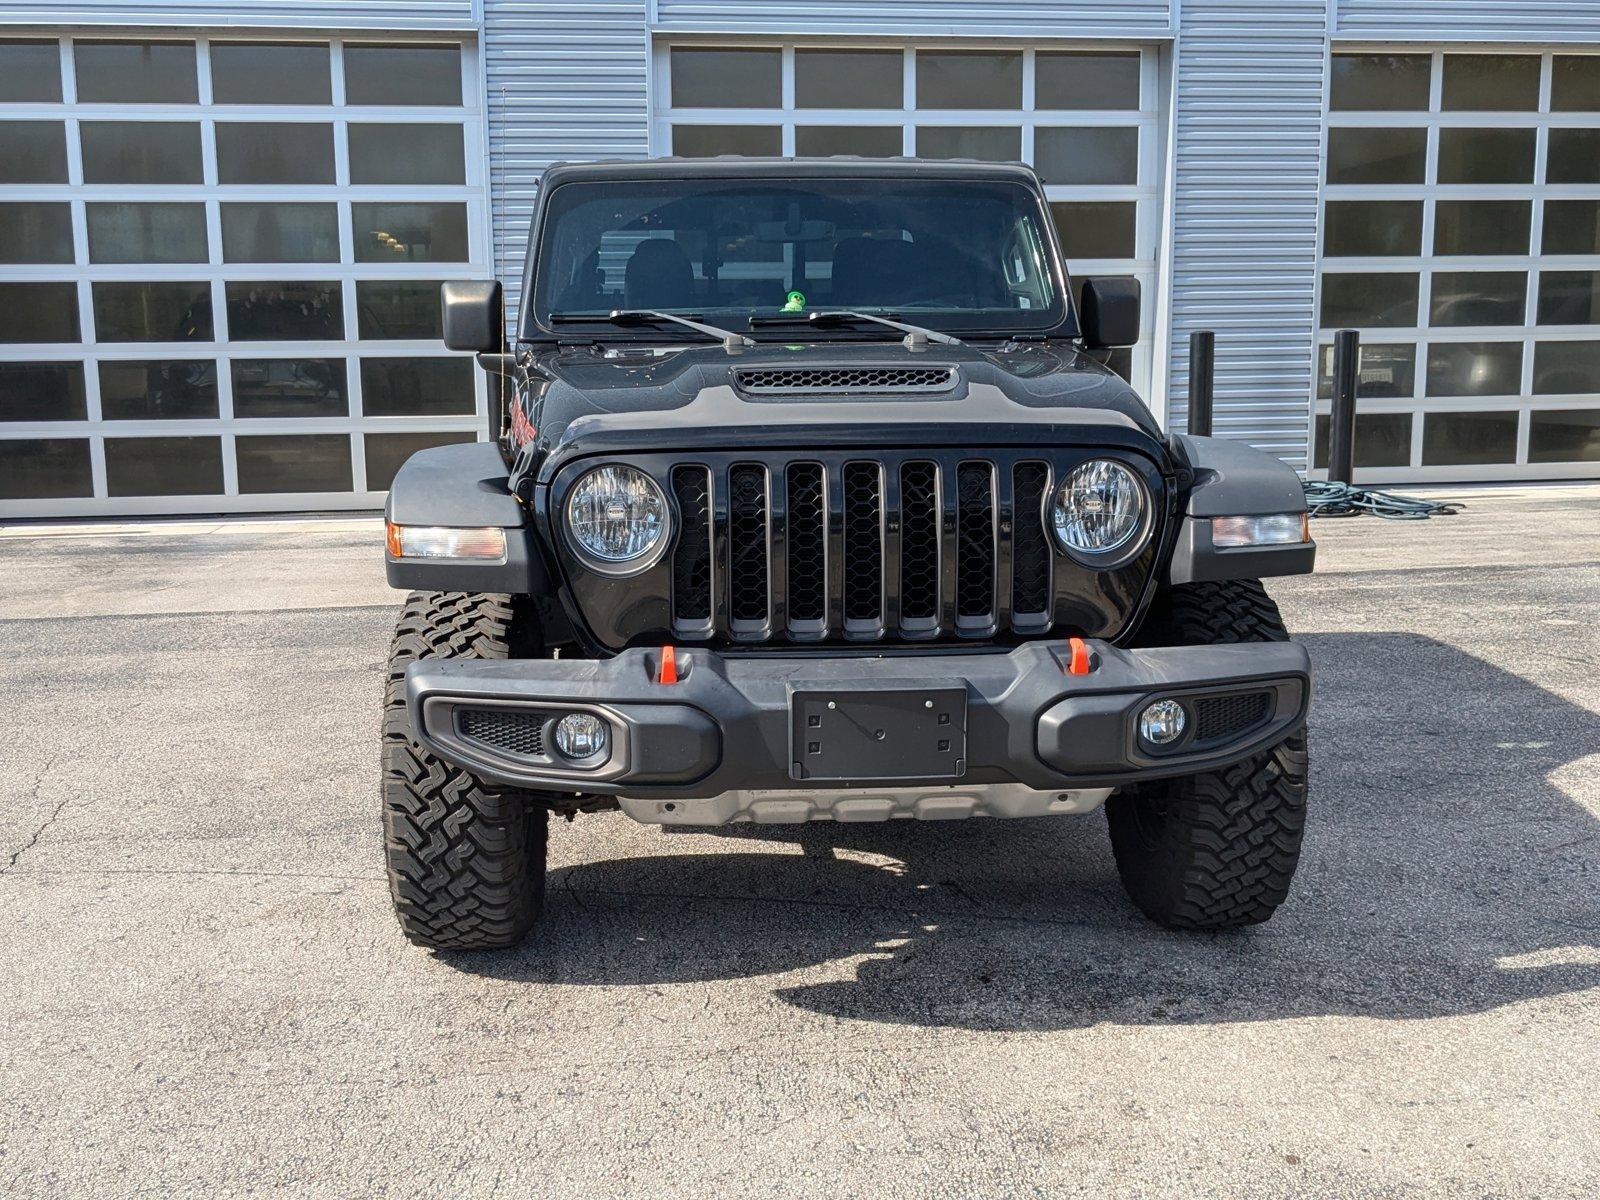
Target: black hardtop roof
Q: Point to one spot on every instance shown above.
(730, 166)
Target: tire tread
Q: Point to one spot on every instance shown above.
(1216, 850)
(465, 858)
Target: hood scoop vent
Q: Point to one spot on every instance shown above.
(832, 381)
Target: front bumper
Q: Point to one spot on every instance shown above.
(725, 729)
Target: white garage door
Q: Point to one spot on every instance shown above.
(1085, 118)
(219, 269)
(1461, 236)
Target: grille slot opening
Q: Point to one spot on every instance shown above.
(919, 545)
(807, 561)
(691, 568)
(975, 543)
(749, 590)
(863, 545)
(1030, 563)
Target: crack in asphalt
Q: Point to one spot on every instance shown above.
(33, 794)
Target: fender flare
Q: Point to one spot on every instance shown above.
(1232, 479)
(464, 486)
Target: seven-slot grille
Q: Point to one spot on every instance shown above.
(898, 546)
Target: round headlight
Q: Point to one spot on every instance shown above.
(1099, 509)
(617, 515)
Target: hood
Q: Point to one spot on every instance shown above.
(701, 397)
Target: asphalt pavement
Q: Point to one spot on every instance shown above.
(205, 994)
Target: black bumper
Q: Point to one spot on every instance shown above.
(726, 724)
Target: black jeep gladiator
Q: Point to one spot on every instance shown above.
(809, 496)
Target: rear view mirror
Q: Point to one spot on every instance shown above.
(474, 315)
(1109, 310)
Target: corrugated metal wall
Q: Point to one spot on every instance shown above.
(921, 18)
(567, 80)
(1247, 151)
(1469, 20)
(276, 14)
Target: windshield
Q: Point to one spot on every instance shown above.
(949, 254)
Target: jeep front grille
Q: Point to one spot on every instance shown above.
(819, 381)
(901, 545)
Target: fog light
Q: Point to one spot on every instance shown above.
(1162, 723)
(580, 735)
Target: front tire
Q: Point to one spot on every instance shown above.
(466, 858)
(1216, 850)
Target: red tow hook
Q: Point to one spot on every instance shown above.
(669, 665)
(1078, 663)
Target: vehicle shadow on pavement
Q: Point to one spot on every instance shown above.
(1449, 868)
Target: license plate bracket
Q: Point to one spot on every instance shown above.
(878, 733)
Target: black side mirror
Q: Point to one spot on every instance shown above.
(474, 315)
(1109, 310)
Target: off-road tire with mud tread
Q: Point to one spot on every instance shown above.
(466, 858)
(1218, 850)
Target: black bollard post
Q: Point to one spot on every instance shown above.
(1342, 427)
(1202, 376)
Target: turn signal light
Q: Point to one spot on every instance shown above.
(1277, 529)
(442, 541)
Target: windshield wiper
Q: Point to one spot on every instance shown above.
(647, 316)
(916, 335)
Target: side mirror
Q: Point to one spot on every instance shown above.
(474, 314)
(1109, 310)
